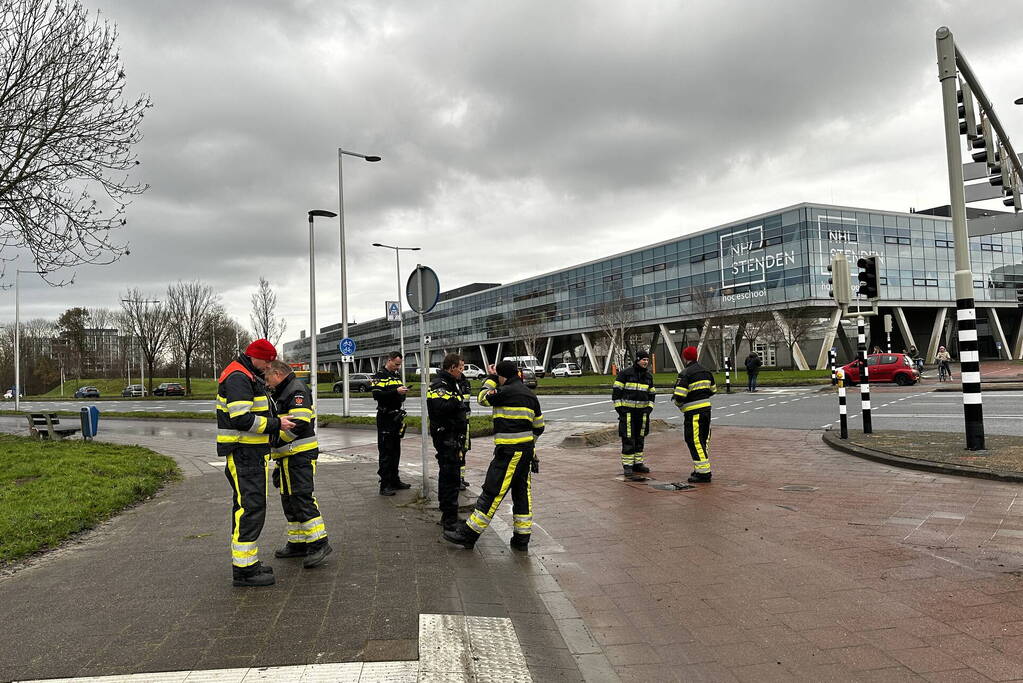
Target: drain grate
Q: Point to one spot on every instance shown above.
(677, 486)
(797, 487)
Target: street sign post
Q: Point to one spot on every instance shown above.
(422, 293)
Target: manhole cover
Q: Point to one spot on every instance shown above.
(677, 486)
(798, 487)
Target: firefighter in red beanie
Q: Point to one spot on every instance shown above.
(693, 390)
(245, 423)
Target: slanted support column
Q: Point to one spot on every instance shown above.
(497, 355)
(797, 353)
(935, 341)
(676, 358)
(483, 355)
(823, 358)
(703, 336)
(589, 351)
(999, 333)
(1017, 346)
(547, 353)
(907, 334)
(607, 359)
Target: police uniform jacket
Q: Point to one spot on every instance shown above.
(445, 405)
(693, 388)
(466, 388)
(245, 416)
(293, 399)
(385, 390)
(633, 389)
(518, 420)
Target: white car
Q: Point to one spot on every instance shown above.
(567, 370)
(473, 371)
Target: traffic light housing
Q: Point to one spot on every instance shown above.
(967, 114)
(1019, 297)
(839, 280)
(868, 278)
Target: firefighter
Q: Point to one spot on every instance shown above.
(693, 390)
(466, 388)
(448, 428)
(295, 452)
(389, 393)
(518, 422)
(245, 423)
(633, 396)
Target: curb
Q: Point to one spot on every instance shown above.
(599, 437)
(984, 386)
(830, 439)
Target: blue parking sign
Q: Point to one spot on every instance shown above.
(346, 346)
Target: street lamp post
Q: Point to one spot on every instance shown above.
(17, 334)
(312, 301)
(345, 408)
(401, 318)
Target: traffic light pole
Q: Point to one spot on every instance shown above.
(966, 312)
(861, 344)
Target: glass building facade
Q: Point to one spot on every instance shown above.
(776, 260)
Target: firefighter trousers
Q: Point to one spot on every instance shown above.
(696, 429)
(449, 461)
(633, 426)
(247, 472)
(508, 471)
(294, 476)
(389, 428)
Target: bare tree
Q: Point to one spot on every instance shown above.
(66, 134)
(757, 320)
(526, 327)
(190, 305)
(150, 323)
(265, 322)
(799, 324)
(615, 317)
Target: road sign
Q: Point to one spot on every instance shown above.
(431, 289)
(346, 346)
(392, 311)
(347, 359)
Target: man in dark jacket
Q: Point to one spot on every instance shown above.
(389, 392)
(693, 390)
(633, 396)
(295, 451)
(245, 423)
(448, 428)
(753, 364)
(518, 422)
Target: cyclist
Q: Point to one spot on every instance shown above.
(944, 358)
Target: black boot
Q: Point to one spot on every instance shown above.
(520, 542)
(387, 490)
(256, 575)
(317, 556)
(630, 473)
(400, 485)
(450, 522)
(699, 478)
(462, 535)
(463, 485)
(640, 467)
(290, 549)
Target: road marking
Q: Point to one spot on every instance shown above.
(581, 405)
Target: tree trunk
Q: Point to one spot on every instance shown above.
(150, 363)
(188, 374)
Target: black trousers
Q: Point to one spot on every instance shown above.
(389, 430)
(508, 471)
(449, 477)
(696, 429)
(751, 380)
(633, 426)
(294, 476)
(246, 471)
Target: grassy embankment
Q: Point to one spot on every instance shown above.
(52, 490)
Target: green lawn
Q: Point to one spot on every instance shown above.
(52, 490)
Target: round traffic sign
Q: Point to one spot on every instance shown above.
(422, 302)
(346, 346)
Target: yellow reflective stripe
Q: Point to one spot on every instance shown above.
(261, 401)
(697, 406)
(287, 474)
(258, 424)
(443, 393)
(525, 410)
(478, 521)
(636, 386)
(618, 385)
(701, 384)
(505, 484)
(251, 557)
(388, 382)
(236, 408)
(702, 465)
(538, 421)
(300, 413)
(681, 391)
(507, 441)
(633, 404)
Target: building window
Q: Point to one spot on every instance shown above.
(924, 282)
(891, 239)
(656, 266)
(944, 244)
(990, 247)
(612, 277)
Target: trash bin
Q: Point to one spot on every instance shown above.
(90, 422)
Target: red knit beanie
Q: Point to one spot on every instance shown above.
(261, 349)
(689, 354)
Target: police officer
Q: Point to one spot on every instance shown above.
(518, 422)
(389, 393)
(295, 451)
(245, 423)
(448, 428)
(693, 390)
(633, 396)
(466, 388)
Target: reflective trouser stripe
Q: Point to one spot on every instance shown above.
(523, 524)
(479, 521)
(301, 509)
(697, 442)
(245, 553)
(306, 532)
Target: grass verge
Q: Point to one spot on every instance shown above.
(52, 490)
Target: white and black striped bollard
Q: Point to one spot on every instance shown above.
(861, 342)
(843, 419)
(728, 375)
(889, 335)
(831, 356)
(969, 363)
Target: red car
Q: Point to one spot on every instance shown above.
(884, 367)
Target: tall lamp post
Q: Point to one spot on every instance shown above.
(17, 334)
(312, 300)
(401, 318)
(344, 281)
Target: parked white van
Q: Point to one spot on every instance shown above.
(527, 362)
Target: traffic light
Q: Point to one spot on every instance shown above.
(839, 280)
(967, 114)
(868, 277)
(1019, 297)
(1012, 192)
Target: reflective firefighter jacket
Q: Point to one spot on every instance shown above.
(385, 390)
(446, 407)
(245, 418)
(693, 388)
(633, 389)
(518, 420)
(294, 400)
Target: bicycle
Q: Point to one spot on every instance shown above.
(944, 372)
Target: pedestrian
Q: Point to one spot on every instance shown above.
(466, 388)
(448, 427)
(245, 422)
(518, 422)
(633, 397)
(295, 451)
(876, 349)
(693, 390)
(753, 364)
(389, 392)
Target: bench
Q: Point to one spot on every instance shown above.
(47, 426)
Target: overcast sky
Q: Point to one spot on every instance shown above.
(517, 137)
